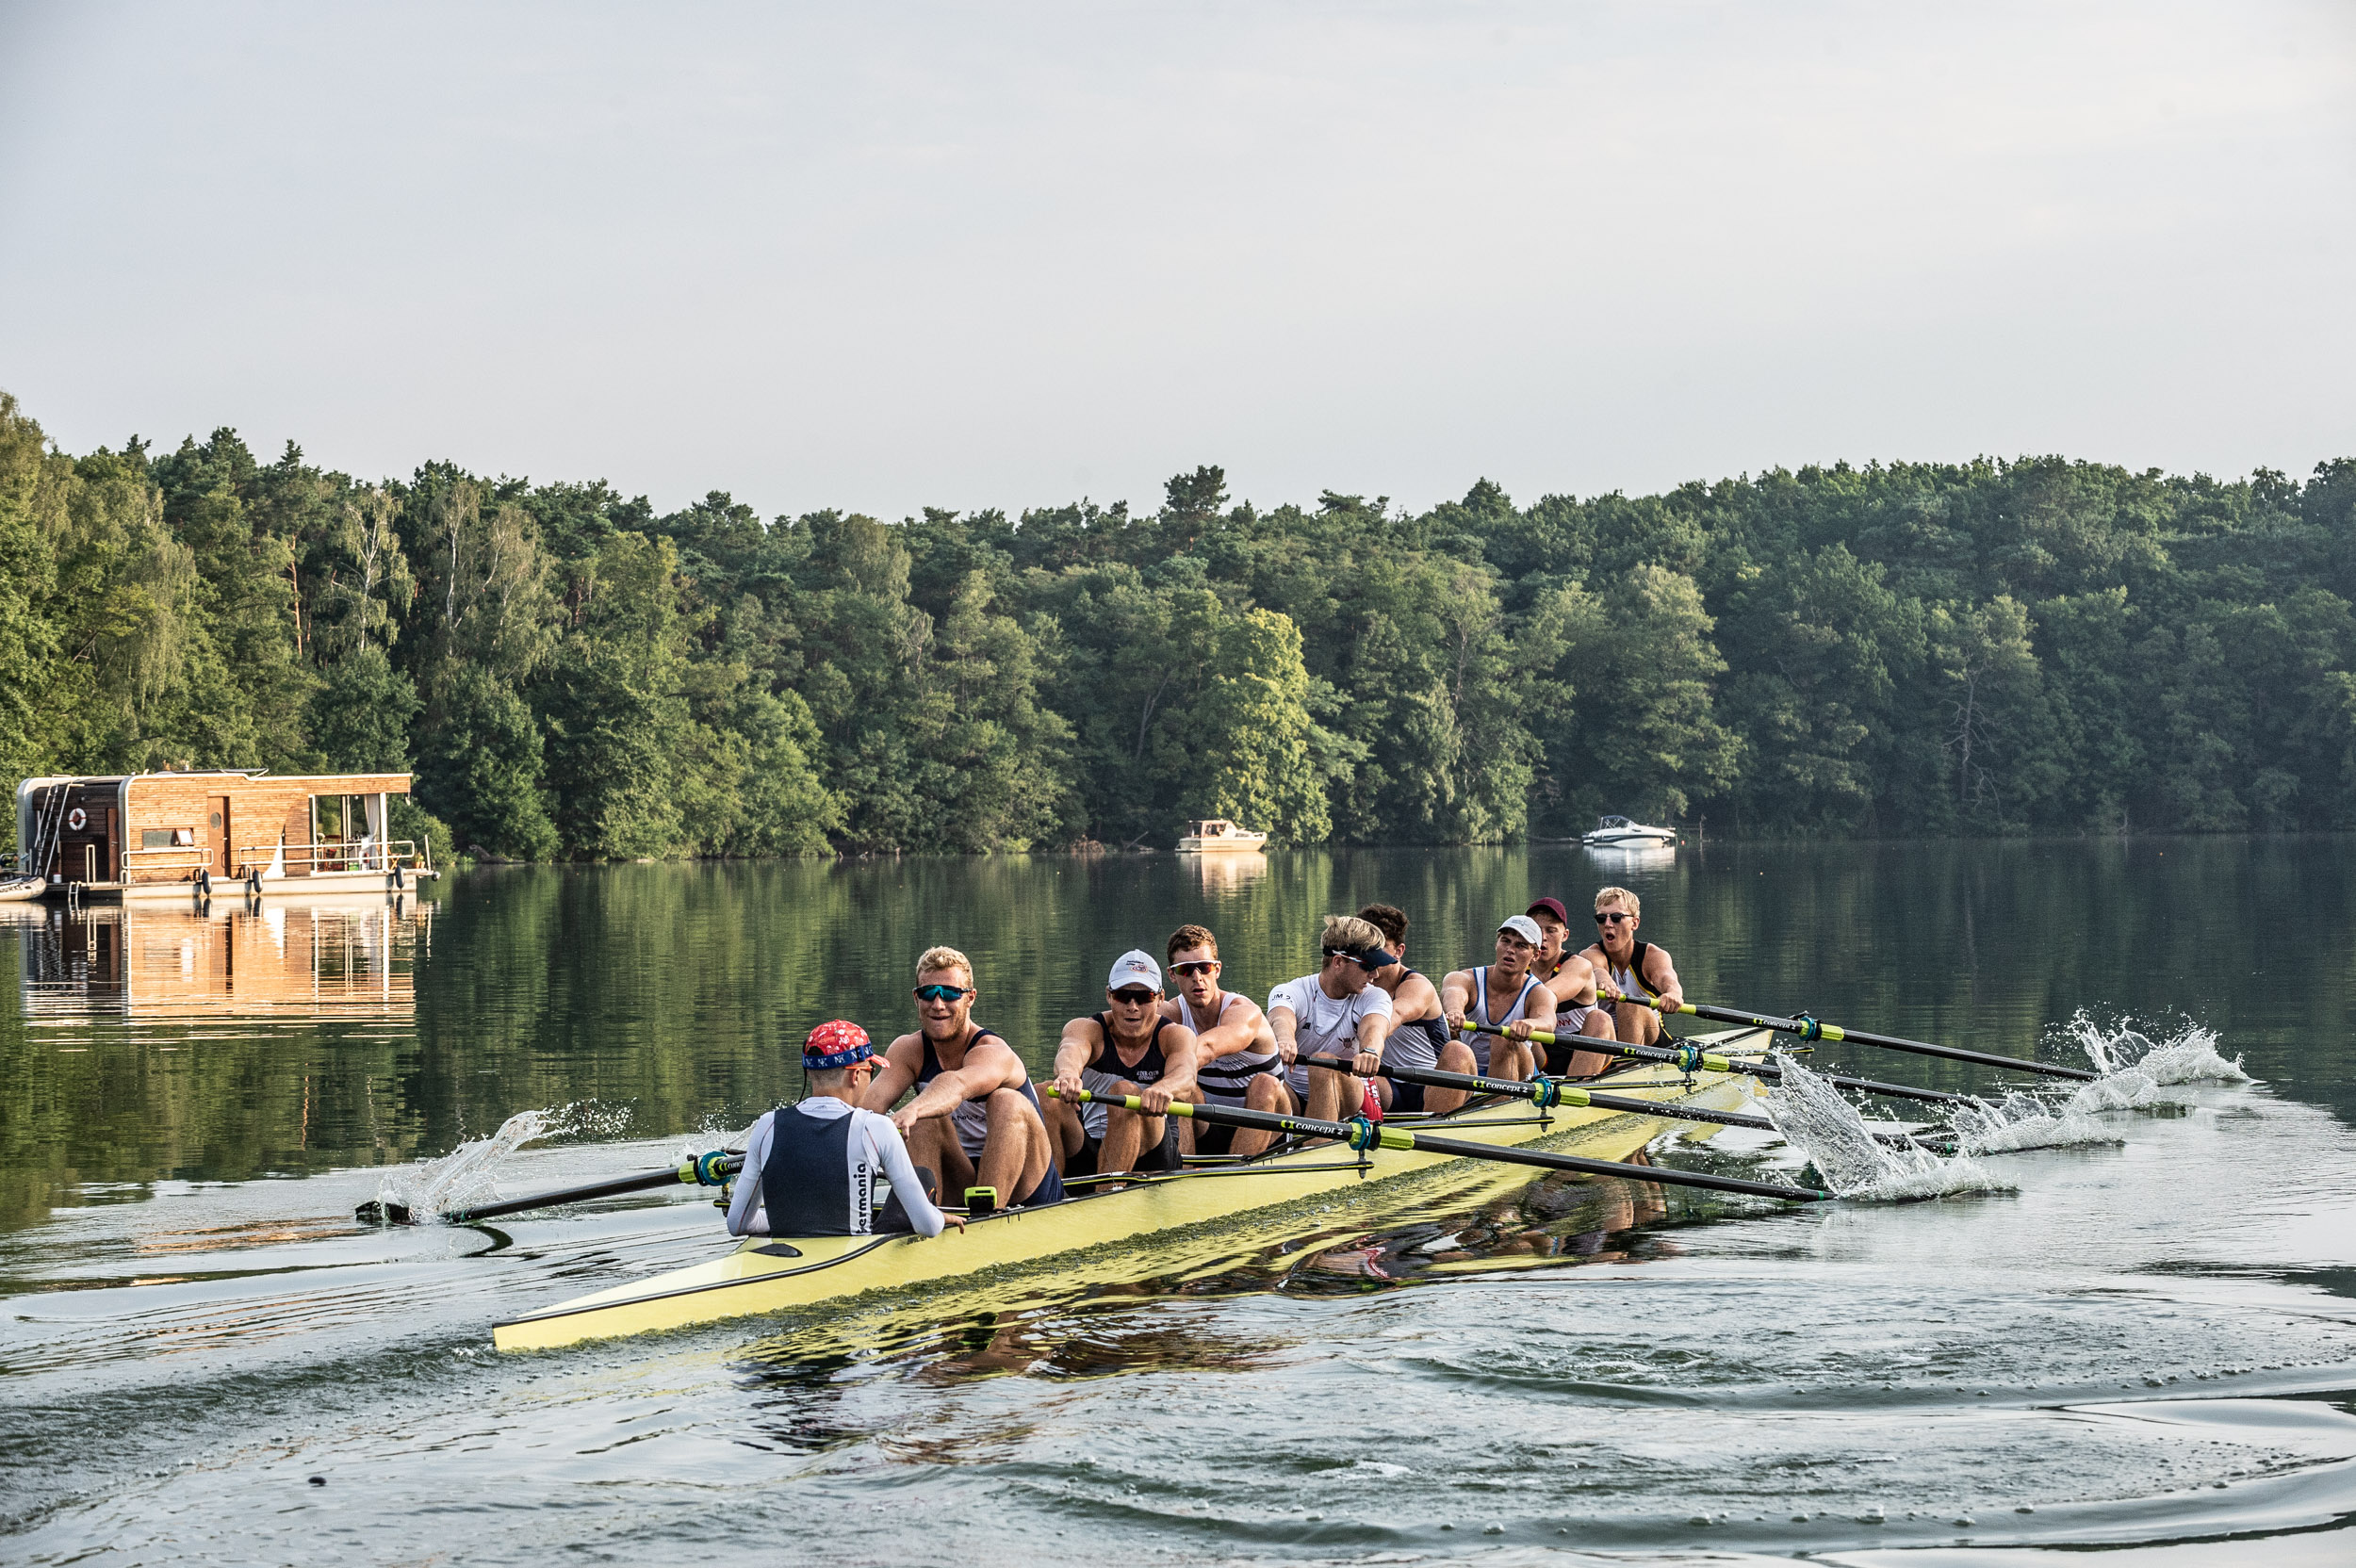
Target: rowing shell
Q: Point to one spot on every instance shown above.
(761, 1275)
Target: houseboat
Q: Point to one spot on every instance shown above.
(178, 834)
(1218, 835)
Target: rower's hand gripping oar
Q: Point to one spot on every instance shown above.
(1691, 1058)
(1362, 1135)
(1545, 1093)
(711, 1170)
(1811, 1028)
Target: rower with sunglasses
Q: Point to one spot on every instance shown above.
(1625, 967)
(1234, 1050)
(1128, 1049)
(1570, 979)
(976, 1118)
(1336, 1011)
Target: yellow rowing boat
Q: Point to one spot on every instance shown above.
(760, 1275)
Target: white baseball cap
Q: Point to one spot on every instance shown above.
(1135, 968)
(1524, 928)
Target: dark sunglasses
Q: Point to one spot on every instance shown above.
(1198, 966)
(1137, 996)
(1604, 917)
(943, 993)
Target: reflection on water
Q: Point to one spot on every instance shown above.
(1224, 873)
(228, 962)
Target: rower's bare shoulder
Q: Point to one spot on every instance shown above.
(911, 1041)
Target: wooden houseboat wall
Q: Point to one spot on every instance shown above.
(170, 834)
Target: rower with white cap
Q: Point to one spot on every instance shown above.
(1504, 995)
(1127, 1049)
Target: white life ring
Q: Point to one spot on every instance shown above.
(76, 820)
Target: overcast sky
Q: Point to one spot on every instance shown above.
(885, 257)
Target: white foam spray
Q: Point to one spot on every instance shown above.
(1821, 1122)
(468, 1174)
(2021, 1120)
(2134, 1067)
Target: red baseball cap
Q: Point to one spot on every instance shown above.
(1550, 907)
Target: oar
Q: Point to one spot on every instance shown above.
(1692, 1056)
(705, 1169)
(1547, 1092)
(1808, 1028)
(1362, 1135)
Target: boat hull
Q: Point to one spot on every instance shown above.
(759, 1276)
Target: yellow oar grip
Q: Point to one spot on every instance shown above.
(1126, 1101)
(1829, 1032)
(1393, 1137)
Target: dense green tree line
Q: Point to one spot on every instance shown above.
(2039, 646)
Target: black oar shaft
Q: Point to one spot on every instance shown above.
(683, 1172)
(1548, 1092)
(1365, 1134)
(1808, 1028)
(1711, 1062)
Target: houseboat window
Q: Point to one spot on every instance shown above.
(184, 836)
(155, 838)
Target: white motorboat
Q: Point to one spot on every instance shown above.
(1218, 835)
(1620, 833)
(16, 889)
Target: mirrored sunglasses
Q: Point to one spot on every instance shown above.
(943, 993)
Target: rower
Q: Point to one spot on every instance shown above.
(1234, 1050)
(1625, 967)
(1571, 980)
(1128, 1049)
(976, 1118)
(1337, 1010)
(1420, 1036)
(811, 1169)
(1504, 995)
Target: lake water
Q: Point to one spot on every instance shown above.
(2147, 1344)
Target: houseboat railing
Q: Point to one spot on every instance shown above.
(180, 862)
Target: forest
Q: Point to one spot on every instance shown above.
(1984, 648)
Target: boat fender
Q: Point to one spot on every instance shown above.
(397, 882)
(203, 882)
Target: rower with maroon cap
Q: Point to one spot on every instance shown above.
(1570, 979)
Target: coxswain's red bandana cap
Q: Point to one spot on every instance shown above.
(836, 1044)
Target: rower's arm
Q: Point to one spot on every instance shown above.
(1178, 1051)
(1244, 1027)
(1574, 983)
(900, 1173)
(1373, 1031)
(1282, 1024)
(1663, 977)
(892, 1077)
(1538, 1013)
(1080, 1038)
(746, 1214)
(1456, 999)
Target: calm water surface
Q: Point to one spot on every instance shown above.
(2148, 1345)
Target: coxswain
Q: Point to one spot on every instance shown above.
(1571, 980)
(1128, 1049)
(1625, 967)
(1338, 1011)
(811, 1169)
(1420, 1037)
(1502, 995)
(1234, 1050)
(976, 1118)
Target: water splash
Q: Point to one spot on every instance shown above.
(468, 1174)
(2133, 1066)
(2021, 1120)
(1818, 1120)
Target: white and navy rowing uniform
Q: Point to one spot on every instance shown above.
(971, 1118)
(1324, 1025)
(812, 1169)
(1104, 1074)
(1227, 1080)
(1479, 1011)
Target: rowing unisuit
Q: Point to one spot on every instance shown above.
(810, 1169)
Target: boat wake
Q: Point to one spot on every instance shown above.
(1819, 1120)
(468, 1174)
